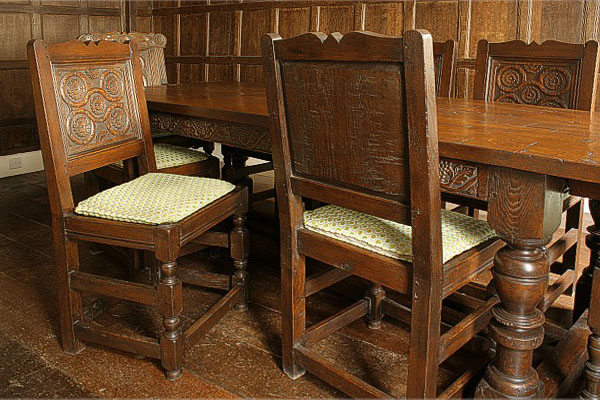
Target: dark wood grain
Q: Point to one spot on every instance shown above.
(545, 142)
(101, 84)
(338, 149)
(508, 135)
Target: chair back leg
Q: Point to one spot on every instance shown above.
(425, 331)
(66, 256)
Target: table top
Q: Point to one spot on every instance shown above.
(557, 142)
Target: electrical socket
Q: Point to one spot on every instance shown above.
(15, 163)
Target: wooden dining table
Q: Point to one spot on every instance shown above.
(519, 160)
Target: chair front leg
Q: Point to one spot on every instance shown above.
(170, 304)
(239, 239)
(293, 306)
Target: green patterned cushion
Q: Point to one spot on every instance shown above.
(155, 198)
(459, 232)
(168, 156)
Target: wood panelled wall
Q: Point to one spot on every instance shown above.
(219, 40)
(55, 21)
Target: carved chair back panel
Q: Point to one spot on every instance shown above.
(552, 74)
(341, 127)
(97, 106)
(340, 115)
(91, 111)
(551, 83)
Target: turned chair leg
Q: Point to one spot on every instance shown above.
(239, 239)
(69, 301)
(170, 306)
(375, 295)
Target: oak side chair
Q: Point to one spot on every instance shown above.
(91, 112)
(172, 152)
(354, 126)
(551, 74)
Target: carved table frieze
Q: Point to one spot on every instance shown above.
(459, 178)
(237, 135)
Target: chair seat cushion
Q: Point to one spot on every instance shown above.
(459, 232)
(155, 198)
(169, 156)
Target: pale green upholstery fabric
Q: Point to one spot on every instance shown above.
(168, 156)
(155, 198)
(459, 232)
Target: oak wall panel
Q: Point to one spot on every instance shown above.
(16, 104)
(254, 25)
(438, 17)
(54, 21)
(337, 18)
(495, 21)
(569, 18)
(227, 46)
(386, 18)
(192, 73)
(221, 32)
(63, 3)
(104, 23)
(69, 27)
(14, 35)
(193, 34)
(294, 21)
(219, 39)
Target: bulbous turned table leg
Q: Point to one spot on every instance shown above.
(521, 278)
(588, 292)
(525, 210)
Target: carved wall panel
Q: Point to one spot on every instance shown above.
(95, 108)
(549, 85)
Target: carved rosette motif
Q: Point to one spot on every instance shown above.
(527, 83)
(95, 108)
(459, 178)
(237, 135)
